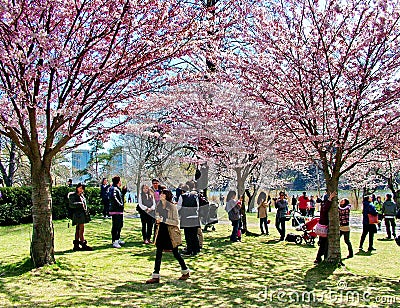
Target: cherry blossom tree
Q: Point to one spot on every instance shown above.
(73, 70)
(223, 126)
(328, 71)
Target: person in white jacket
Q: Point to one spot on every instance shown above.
(146, 207)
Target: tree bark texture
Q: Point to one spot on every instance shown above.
(334, 254)
(42, 244)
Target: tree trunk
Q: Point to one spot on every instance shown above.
(334, 255)
(42, 245)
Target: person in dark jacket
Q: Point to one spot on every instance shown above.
(116, 196)
(168, 235)
(80, 216)
(233, 206)
(368, 208)
(324, 220)
(282, 208)
(104, 187)
(389, 210)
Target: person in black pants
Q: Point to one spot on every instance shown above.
(370, 229)
(282, 208)
(146, 207)
(188, 208)
(168, 235)
(117, 196)
(344, 218)
(104, 187)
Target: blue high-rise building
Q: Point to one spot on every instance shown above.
(80, 159)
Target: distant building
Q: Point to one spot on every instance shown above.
(80, 159)
(118, 163)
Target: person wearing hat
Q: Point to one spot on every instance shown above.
(80, 216)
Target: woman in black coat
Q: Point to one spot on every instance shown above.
(80, 216)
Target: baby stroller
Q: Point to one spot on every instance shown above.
(308, 234)
(208, 215)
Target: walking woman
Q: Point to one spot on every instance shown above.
(370, 229)
(146, 208)
(233, 207)
(168, 236)
(80, 216)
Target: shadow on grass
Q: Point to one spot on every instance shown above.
(385, 239)
(273, 241)
(318, 274)
(363, 253)
(17, 268)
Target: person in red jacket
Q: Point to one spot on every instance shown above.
(303, 203)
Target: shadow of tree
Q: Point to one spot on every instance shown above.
(318, 274)
(16, 269)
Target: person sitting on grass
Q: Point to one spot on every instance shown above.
(168, 236)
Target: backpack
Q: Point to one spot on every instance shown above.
(291, 238)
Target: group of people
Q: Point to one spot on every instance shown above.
(160, 212)
(372, 207)
(113, 201)
(165, 215)
(305, 204)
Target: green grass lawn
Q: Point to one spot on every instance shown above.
(258, 272)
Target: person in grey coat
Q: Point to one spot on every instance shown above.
(389, 210)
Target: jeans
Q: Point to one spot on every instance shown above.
(192, 239)
(323, 248)
(280, 225)
(346, 236)
(390, 222)
(147, 226)
(177, 256)
(264, 222)
(106, 206)
(117, 224)
(368, 229)
(235, 225)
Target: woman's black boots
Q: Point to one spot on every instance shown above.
(85, 246)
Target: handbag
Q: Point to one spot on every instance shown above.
(373, 219)
(321, 230)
